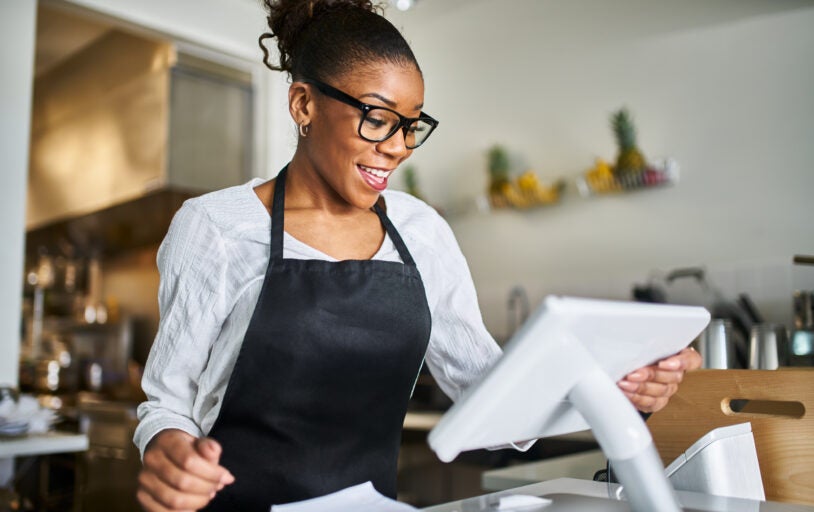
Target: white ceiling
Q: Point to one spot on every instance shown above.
(61, 32)
(423, 10)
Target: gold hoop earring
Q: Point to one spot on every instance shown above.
(304, 129)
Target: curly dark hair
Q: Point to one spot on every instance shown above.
(322, 39)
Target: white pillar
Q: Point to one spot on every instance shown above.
(17, 35)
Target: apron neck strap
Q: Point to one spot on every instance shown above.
(394, 235)
(278, 208)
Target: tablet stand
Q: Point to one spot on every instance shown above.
(558, 374)
(626, 442)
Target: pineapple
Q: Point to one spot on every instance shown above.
(630, 164)
(498, 175)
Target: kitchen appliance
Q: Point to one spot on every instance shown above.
(111, 463)
(102, 352)
(558, 374)
(768, 347)
(802, 348)
(72, 342)
(142, 138)
(690, 286)
(803, 309)
(716, 345)
(802, 338)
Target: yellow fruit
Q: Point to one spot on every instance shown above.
(600, 178)
(524, 192)
(528, 181)
(551, 193)
(603, 168)
(497, 199)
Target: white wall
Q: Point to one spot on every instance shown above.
(726, 87)
(17, 28)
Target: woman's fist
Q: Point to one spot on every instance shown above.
(181, 473)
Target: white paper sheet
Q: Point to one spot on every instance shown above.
(359, 498)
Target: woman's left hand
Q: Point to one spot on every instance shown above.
(650, 388)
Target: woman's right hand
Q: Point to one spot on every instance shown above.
(181, 473)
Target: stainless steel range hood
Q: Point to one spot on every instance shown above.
(123, 131)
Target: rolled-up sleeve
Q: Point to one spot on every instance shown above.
(461, 349)
(192, 305)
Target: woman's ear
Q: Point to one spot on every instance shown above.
(300, 103)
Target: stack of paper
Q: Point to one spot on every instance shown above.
(359, 498)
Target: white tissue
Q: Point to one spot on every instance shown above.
(522, 502)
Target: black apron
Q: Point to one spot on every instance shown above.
(318, 394)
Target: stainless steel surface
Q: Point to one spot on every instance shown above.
(802, 337)
(112, 463)
(690, 286)
(166, 121)
(110, 117)
(717, 346)
(768, 347)
(102, 352)
(803, 309)
(210, 114)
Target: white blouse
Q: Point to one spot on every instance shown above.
(212, 264)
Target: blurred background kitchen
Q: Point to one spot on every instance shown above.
(114, 112)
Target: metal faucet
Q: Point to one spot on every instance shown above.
(518, 309)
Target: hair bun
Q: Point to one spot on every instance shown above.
(289, 19)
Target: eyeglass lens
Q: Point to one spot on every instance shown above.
(379, 124)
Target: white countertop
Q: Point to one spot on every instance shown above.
(42, 444)
(427, 420)
(573, 495)
(581, 465)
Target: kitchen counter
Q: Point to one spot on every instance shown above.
(36, 444)
(578, 465)
(573, 495)
(421, 420)
(42, 444)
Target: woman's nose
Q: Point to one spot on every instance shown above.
(395, 145)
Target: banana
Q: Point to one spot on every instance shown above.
(524, 192)
(601, 179)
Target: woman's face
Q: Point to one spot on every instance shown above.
(357, 170)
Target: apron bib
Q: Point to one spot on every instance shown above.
(319, 391)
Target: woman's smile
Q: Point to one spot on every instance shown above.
(349, 168)
(375, 177)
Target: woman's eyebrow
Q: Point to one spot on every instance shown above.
(390, 103)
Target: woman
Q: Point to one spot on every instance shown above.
(296, 313)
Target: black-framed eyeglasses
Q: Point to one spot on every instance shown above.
(380, 123)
